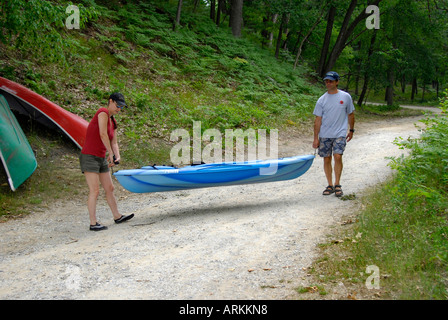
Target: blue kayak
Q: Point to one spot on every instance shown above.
(164, 178)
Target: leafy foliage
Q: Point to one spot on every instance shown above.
(36, 27)
(410, 226)
(423, 175)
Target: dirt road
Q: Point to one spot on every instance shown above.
(241, 242)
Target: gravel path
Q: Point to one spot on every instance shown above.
(240, 242)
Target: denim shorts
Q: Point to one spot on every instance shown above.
(328, 146)
(90, 163)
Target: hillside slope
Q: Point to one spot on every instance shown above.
(170, 78)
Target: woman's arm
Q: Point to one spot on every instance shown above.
(115, 148)
(103, 118)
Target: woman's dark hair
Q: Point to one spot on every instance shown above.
(114, 122)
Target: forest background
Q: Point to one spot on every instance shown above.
(231, 64)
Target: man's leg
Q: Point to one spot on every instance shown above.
(338, 151)
(328, 169)
(338, 168)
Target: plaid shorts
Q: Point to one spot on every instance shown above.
(328, 146)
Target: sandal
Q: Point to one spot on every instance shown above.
(124, 218)
(338, 192)
(97, 227)
(328, 190)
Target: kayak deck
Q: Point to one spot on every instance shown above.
(164, 178)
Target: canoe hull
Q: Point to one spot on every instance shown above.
(159, 179)
(15, 151)
(27, 102)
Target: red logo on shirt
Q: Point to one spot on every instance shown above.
(341, 102)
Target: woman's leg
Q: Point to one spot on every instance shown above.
(106, 182)
(94, 191)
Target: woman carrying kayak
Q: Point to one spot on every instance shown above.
(101, 138)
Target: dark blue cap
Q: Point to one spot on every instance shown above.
(118, 98)
(332, 76)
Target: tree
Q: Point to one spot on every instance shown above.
(309, 31)
(236, 17)
(221, 5)
(326, 45)
(213, 10)
(408, 48)
(345, 32)
(367, 69)
(283, 22)
(179, 9)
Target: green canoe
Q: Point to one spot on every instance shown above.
(15, 151)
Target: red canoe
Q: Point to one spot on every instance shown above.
(27, 102)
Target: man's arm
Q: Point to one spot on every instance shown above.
(351, 123)
(317, 124)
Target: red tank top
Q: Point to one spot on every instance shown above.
(93, 144)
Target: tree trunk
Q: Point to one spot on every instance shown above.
(342, 38)
(279, 37)
(423, 91)
(390, 87)
(414, 88)
(345, 32)
(236, 17)
(366, 72)
(271, 35)
(403, 83)
(195, 5)
(327, 38)
(348, 82)
(285, 43)
(218, 13)
(179, 9)
(213, 10)
(299, 51)
(437, 84)
(264, 32)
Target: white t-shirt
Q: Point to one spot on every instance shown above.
(334, 110)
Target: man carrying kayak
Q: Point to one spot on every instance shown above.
(334, 113)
